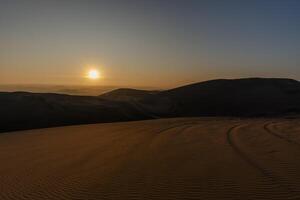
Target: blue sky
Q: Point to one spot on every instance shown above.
(147, 43)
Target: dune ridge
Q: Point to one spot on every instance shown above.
(250, 97)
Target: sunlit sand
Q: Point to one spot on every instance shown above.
(187, 158)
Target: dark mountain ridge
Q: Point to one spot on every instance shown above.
(251, 97)
(127, 94)
(23, 110)
(237, 97)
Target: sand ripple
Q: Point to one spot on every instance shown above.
(187, 158)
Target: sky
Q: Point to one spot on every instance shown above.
(158, 43)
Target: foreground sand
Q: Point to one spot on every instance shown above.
(196, 158)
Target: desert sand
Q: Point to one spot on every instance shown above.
(184, 158)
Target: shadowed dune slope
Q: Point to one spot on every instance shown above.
(241, 97)
(22, 110)
(187, 158)
(127, 94)
(236, 97)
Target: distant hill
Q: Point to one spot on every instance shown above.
(238, 97)
(127, 94)
(250, 97)
(22, 110)
(58, 89)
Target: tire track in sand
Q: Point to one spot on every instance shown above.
(127, 192)
(65, 187)
(275, 180)
(275, 134)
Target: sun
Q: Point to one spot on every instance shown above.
(93, 74)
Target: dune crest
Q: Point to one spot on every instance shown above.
(251, 97)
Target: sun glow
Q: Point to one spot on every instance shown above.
(93, 74)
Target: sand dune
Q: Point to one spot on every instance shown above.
(187, 158)
(250, 97)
